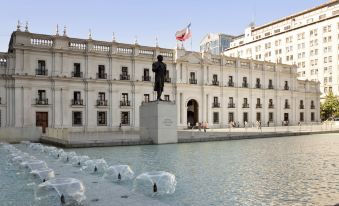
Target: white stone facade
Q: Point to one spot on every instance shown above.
(55, 81)
(309, 40)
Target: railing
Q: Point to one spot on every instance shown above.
(230, 63)
(39, 101)
(124, 77)
(101, 102)
(231, 105)
(41, 71)
(215, 83)
(286, 87)
(230, 84)
(77, 74)
(42, 42)
(101, 75)
(270, 87)
(215, 105)
(245, 85)
(301, 106)
(125, 103)
(77, 102)
(146, 78)
(287, 106)
(258, 86)
(245, 105)
(271, 106)
(168, 80)
(167, 54)
(78, 46)
(193, 81)
(146, 52)
(101, 48)
(245, 65)
(123, 50)
(258, 106)
(312, 107)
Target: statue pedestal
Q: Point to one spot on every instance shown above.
(158, 122)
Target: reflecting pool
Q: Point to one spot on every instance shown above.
(302, 170)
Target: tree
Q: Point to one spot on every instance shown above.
(329, 108)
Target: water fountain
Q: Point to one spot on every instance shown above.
(96, 166)
(117, 173)
(43, 174)
(78, 161)
(34, 165)
(155, 183)
(61, 192)
(66, 156)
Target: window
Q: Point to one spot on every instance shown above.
(125, 118)
(41, 95)
(77, 118)
(215, 78)
(77, 98)
(301, 117)
(258, 85)
(312, 117)
(244, 82)
(270, 84)
(146, 97)
(167, 97)
(102, 118)
(230, 117)
(270, 116)
(124, 100)
(258, 116)
(101, 95)
(101, 72)
(76, 70)
(192, 78)
(41, 70)
(124, 74)
(215, 117)
(230, 100)
(245, 117)
(146, 76)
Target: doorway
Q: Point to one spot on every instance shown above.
(192, 113)
(42, 120)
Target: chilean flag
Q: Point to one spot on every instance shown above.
(184, 34)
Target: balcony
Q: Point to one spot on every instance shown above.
(193, 81)
(39, 101)
(287, 106)
(312, 107)
(245, 105)
(286, 87)
(258, 106)
(125, 103)
(146, 78)
(231, 105)
(245, 85)
(230, 84)
(101, 75)
(258, 86)
(271, 106)
(124, 77)
(41, 71)
(301, 106)
(215, 83)
(270, 86)
(78, 102)
(168, 80)
(101, 102)
(77, 74)
(215, 105)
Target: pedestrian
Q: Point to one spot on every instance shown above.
(199, 126)
(268, 123)
(204, 126)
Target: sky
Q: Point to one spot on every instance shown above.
(144, 19)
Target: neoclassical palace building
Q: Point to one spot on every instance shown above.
(84, 84)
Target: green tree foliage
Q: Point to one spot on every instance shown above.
(329, 108)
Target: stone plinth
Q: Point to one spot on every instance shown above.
(158, 122)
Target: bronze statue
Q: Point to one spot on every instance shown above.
(159, 68)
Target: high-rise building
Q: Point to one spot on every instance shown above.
(215, 43)
(308, 39)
